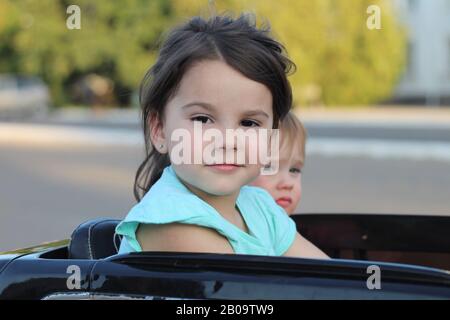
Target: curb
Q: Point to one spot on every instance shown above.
(56, 135)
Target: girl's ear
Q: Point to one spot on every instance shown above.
(157, 136)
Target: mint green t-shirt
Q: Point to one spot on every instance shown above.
(271, 230)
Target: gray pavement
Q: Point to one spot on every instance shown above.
(46, 192)
(49, 184)
(418, 124)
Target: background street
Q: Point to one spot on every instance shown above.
(61, 175)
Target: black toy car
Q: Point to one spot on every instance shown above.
(375, 257)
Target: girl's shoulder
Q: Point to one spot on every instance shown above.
(268, 215)
(166, 206)
(253, 191)
(258, 197)
(167, 201)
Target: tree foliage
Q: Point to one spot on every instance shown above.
(340, 61)
(117, 40)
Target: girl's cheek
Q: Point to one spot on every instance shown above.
(299, 191)
(266, 183)
(255, 148)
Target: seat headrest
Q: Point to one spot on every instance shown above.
(94, 239)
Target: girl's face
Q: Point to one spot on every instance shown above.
(285, 186)
(215, 96)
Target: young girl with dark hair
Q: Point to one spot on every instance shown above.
(220, 73)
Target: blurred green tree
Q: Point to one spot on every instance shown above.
(340, 61)
(117, 40)
(9, 27)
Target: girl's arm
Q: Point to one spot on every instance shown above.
(177, 237)
(302, 248)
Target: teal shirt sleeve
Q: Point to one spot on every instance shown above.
(283, 227)
(285, 230)
(272, 231)
(168, 208)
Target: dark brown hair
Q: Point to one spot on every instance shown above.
(239, 43)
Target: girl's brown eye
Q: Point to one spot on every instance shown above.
(295, 170)
(202, 119)
(249, 123)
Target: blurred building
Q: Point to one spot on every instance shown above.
(427, 76)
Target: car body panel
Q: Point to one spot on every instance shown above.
(45, 272)
(409, 239)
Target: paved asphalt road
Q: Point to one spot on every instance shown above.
(315, 129)
(46, 193)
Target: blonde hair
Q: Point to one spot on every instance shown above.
(293, 133)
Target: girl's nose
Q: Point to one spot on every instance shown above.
(285, 182)
(228, 142)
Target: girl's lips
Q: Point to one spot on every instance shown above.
(224, 167)
(284, 202)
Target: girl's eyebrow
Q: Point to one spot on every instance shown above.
(205, 105)
(256, 113)
(210, 107)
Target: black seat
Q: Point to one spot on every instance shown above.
(94, 239)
